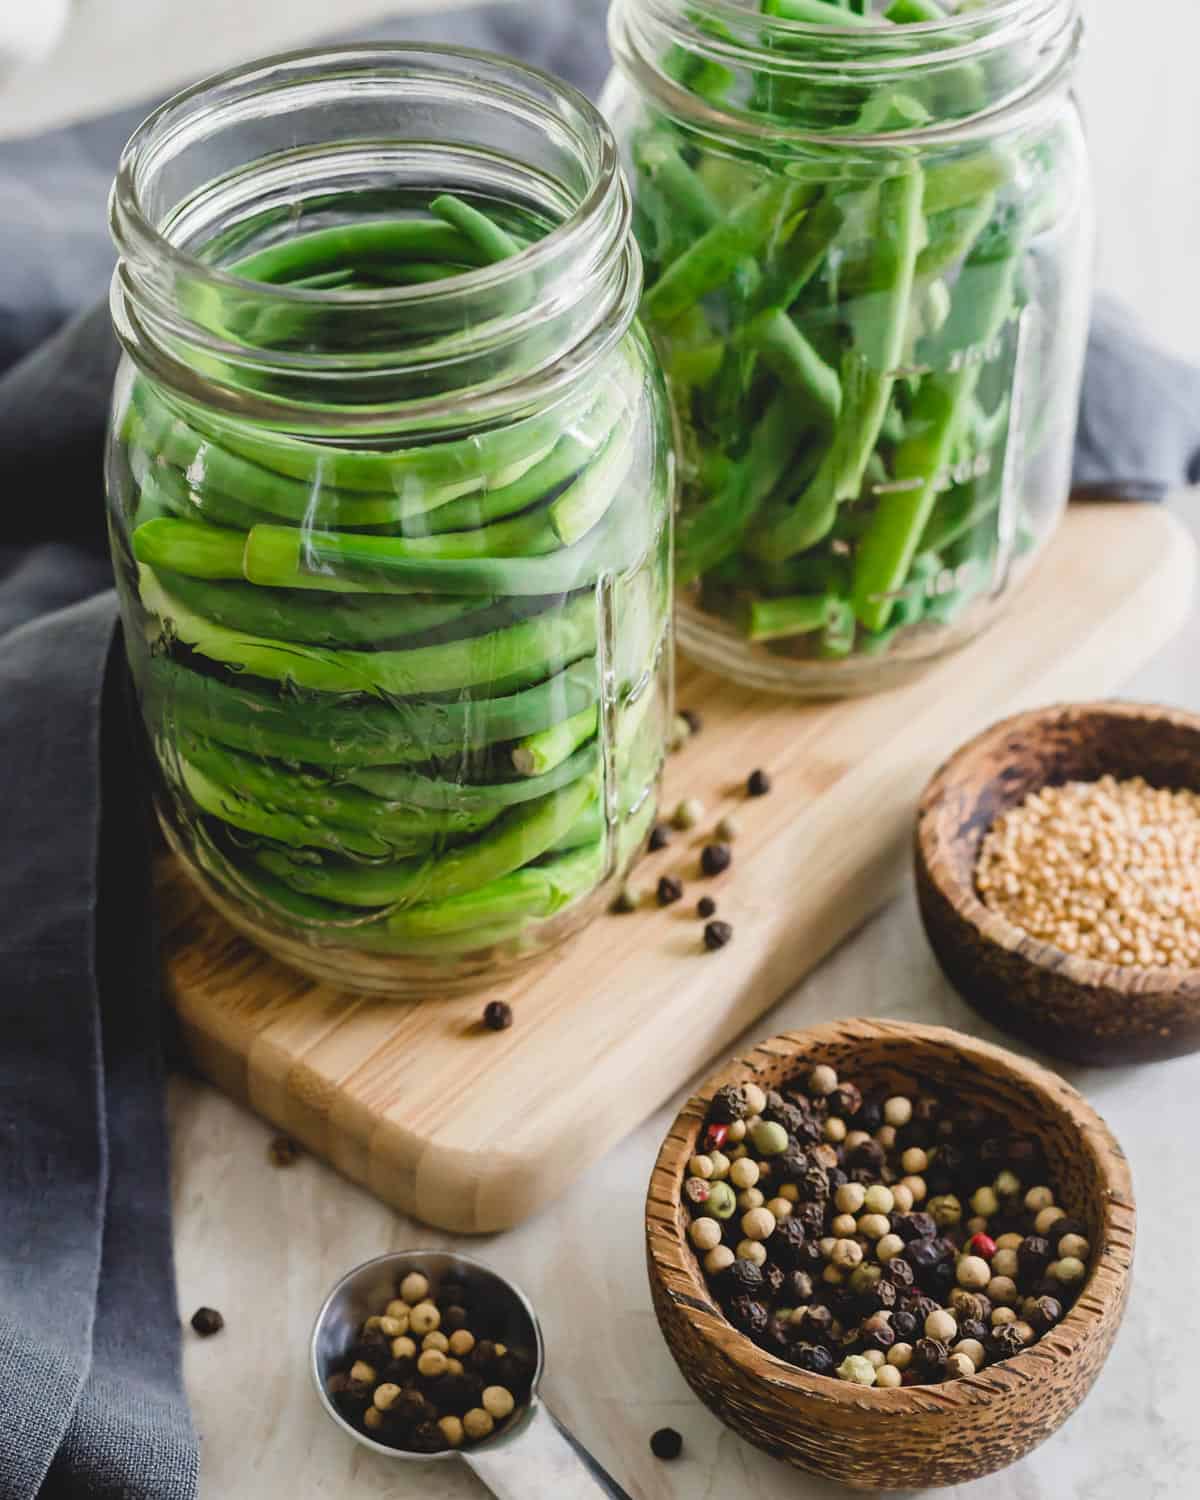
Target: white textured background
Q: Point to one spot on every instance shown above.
(264, 1246)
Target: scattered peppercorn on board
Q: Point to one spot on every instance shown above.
(473, 1130)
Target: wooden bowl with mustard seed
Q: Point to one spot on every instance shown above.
(1109, 1001)
(923, 1435)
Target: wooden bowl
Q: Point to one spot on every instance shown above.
(1074, 1008)
(917, 1436)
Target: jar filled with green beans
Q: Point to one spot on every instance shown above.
(867, 234)
(390, 497)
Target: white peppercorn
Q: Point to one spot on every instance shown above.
(888, 1377)
(941, 1325)
(1074, 1247)
(833, 1276)
(874, 1357)
(424, 1318)
(886, 1136)
(737, 1133)
(1002, 1316)
(1005, 1263)
(1025, 1330)
(1009, 1242)
(1070, 1270)
(977, 1224)
(945, 1210)
(750, 1198)
(879, 1200)
(985, 1202)
(916, 1186)
(452, 1431)
(822, 1080)
(478, 1424)
(903, 1198)
(700, 1166)
(847, 1254)
(856, 1138)
(850, 1197)
(844, 1226)
(888, 1247)
(897, 1110)
(720, 1166)
(1001, 1290)
(914, 1161)
(958, 1367)
(1038, 1198)
(900, 1355)
(974, 1351)
(386, 1396)
(1007, 1184)
(756, 1100)
(432, 1363)
(874, 1226)
(719, 1259)
(790, 1191)
(404, 1348)
(414, 1288)
(752, 1250)
(834, 1130)
(1047, 1218)
(436, 1340)
(758, 1224)
(973, 1273)
(781, 1208)
(744, 1173)
(498, 1402)
(705, 1234)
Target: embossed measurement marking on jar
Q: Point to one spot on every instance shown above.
(946, 479)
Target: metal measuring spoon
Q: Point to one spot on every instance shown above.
(532, 1457)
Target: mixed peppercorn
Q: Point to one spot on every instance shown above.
(424, 1374)
(883, 1239)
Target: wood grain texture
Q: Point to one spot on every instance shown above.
(927, 1435)
(1074, 1008)
(474, 1131)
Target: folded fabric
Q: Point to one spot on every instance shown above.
(92, 1401)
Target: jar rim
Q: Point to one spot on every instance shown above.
(725, 32)
(593, 237)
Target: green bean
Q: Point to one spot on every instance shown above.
(354, 620)
(359, 244)
(776, 619)
(527, 652)
(491, 243)
(814, 13)
(540, 753)
(189, 547)
(328, 733)
(580, 508)
(517, 839)
(419, 789)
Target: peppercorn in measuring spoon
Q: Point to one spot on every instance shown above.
(430, 1356)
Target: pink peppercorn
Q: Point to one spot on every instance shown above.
(716, 1137)
(981, 1244)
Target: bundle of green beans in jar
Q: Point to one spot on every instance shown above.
(867, 237)
(390, 506)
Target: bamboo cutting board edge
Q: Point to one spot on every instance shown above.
(473, 1132)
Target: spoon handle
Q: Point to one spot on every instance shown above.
(545, 1463)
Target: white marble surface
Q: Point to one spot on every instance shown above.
(264, 1245)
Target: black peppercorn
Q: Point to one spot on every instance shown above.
(1005, 1341)
(497, 1015)
(742, 1277)
(813, 1187)
(455, 1394)
(1065, 1226)
(283, 1152)
(816, 1324)
(972, 1328)
(706, 907)
(930, 1354)
(787, 1243)
(411, 1408)
(882, 1296)
(912, 1227)
(922, 1306)
(748, 1313)
(845, 1101)
(904, 1325)
(454, 1317)
(922, 1255)
(670, 890)
(878, 1333)
(787, 1115)
(207, 1321)
(1033, 1255)
(869, 1154)
(717, 935)
(798, 1287)
(715, 859)
(426, 1438)
(773, 1277)
(870, 1116)
(758, 784)
(666, 1444)
(728, 1104)
(660, 837)
(793, 1164)
(1044, 1314)
(814, 1358)
(899, 1272)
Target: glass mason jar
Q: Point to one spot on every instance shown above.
(867, 236)
(390, 486)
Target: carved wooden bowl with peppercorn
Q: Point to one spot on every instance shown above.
(1007, 1301)
(1111, 867)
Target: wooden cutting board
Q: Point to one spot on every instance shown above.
(471, 1130)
